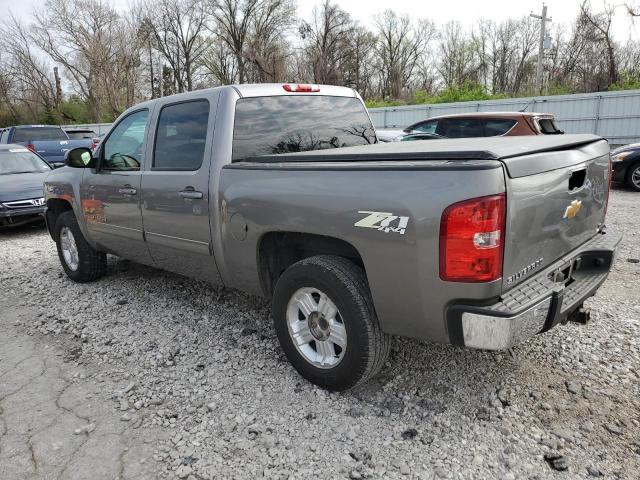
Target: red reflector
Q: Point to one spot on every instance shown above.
(472, 240)
(31, 147)
(300, 87)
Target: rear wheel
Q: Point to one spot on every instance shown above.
(633, 177)
(80, 261)
(326, 322)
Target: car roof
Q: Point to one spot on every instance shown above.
(623, 148)
(35, 126)
(507, 115)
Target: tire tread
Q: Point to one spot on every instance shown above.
(378, 343)
(93, 264)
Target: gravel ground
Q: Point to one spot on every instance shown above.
(209, 374)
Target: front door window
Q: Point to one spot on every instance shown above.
(123, 150)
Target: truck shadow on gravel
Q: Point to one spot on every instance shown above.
(22, 231)
(427, 376)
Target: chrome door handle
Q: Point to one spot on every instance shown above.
(191, 194)
(127, 190)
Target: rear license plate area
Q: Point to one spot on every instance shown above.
(564, 274)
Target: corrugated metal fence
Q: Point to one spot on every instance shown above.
(613, 115)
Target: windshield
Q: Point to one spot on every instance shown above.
(21, 160)
(24, 134)
(284, 124)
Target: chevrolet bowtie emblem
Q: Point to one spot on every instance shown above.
(573, 209)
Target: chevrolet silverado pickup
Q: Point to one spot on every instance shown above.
(283, 191)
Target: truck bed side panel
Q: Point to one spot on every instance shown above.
(402, 269)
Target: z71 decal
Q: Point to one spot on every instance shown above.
(383, 222)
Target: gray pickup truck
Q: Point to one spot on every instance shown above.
(282, 191)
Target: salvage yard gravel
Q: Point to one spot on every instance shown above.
(202, 364)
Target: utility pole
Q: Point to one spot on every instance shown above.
(543, 31)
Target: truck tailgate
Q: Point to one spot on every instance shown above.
(556, 201)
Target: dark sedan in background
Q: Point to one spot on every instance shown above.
(625, 162)
(22, 175)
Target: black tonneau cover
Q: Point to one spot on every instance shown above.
(522, 156)
(485, 148)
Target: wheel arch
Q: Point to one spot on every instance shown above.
(279, 250)
(55, 207)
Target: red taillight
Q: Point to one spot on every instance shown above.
(300, 87)
(94, 143)
(31, 147)
(472, 240)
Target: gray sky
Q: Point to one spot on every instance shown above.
(465, 11)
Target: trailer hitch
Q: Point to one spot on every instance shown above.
(580, 315)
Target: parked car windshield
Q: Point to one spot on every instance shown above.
(24, 134)
(283, 124)
(21, 160)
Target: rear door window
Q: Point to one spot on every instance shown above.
(497, 126)
(460, 128)
(181, 136)
(298, 123)
(548, 126)
(25, 134)
(80, 135)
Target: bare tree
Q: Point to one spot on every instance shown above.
(96, 48)
(252, 31)
(399, 47)
(327, 39)
(32, 78)
(601, 31)
(179, 29)
(457, 60)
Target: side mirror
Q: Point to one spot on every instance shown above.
(57, 165)
(78, 157)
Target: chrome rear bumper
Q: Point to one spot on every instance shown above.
(537, 304)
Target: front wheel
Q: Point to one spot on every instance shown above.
(80, 261)
(633, 177)
(326, 323)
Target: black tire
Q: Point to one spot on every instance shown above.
(92, 264)
(635, 168)
(346, 285)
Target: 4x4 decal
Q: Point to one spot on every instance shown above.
(383, 222)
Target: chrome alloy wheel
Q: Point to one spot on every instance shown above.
(635, 177)
(69, 248)
(316, 327)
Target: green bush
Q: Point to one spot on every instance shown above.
(374, 103)
(628, 82)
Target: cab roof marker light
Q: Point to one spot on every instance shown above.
(300, 87)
